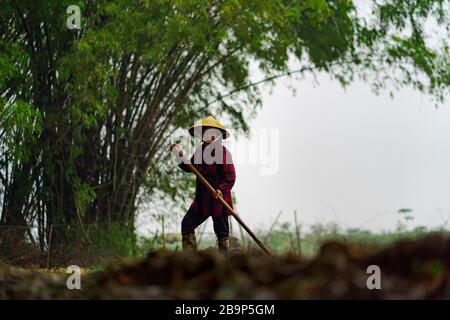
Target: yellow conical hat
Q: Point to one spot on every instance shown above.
(211, 122)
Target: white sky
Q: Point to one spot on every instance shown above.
(346, 156)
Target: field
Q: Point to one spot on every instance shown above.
(412, 269)
(97, 246)
(325, 262)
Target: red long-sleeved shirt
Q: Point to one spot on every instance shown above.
(220, 174)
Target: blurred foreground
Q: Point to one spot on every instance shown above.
(410, 269)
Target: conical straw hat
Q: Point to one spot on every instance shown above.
(210, 122)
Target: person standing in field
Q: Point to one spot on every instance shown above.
(214, 162)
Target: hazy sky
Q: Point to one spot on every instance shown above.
(342, 156)
(348, 156)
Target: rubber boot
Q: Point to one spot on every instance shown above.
(224, 245)
(189, 242)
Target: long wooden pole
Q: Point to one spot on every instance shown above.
(227, 206)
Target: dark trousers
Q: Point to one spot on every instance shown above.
(193, 219)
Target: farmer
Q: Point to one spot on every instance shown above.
(214, 162)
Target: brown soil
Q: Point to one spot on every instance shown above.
(409, 270)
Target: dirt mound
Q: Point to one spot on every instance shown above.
(409, 269)
(18, 283)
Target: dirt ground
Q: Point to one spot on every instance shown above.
(409, 270)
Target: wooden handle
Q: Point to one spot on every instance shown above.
(229, 208)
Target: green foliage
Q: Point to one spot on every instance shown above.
(404, 46)
(113, 241)
(21, 123)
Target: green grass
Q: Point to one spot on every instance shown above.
(284, 239)
(116, 242)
